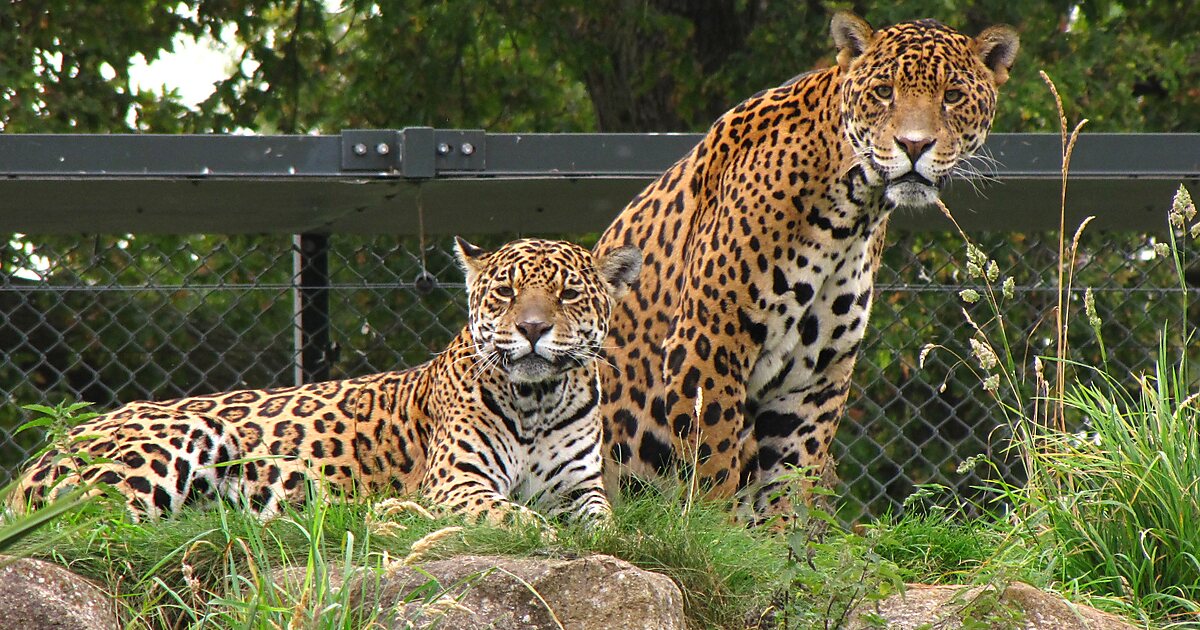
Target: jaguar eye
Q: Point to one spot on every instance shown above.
(952, 96)
(883, 91)
(568, 294)
(505, 291)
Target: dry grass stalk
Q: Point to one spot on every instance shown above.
(443, 606)
(693, 447)
(428, 542)
(379, 521)
(1068, 145)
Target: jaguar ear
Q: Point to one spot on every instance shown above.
(851, 36)
(997, 46)
(619, 268)
(469, 256)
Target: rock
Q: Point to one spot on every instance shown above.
(595, 592)
(1018, 606)
(39, 595)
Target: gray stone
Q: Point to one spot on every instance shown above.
(1019, 605)
(39, 595)
(470, 592)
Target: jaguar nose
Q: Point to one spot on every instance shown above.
(914, 147)
(533, 329)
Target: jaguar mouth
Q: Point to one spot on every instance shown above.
(912, 190)
(531, 358)
(532, 368)
(913, 177)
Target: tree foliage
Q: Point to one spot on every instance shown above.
(551, 65)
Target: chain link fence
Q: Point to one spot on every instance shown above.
(115, 318)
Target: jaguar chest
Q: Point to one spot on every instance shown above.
(532, 416)
(814, 310)
(542, 427)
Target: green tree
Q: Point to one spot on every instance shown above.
(551, 65)
(543, 65)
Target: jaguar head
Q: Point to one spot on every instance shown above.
(539, 308)
(918, 99)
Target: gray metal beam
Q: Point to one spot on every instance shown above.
(472, 181)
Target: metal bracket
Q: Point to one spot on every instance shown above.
(370, 150)
(461, 149)
(416, 152)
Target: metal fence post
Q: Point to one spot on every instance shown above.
(311, 299)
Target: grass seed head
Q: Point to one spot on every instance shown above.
(1183, 205)
(984, 354)
(428, 542)
(1089, 308)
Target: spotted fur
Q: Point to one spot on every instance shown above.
(509, 412)
(736, 346)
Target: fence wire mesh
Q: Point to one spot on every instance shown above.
(116, 318)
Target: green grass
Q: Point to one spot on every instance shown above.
(15, 529)
(214, 568)
(1112, 501)
(934, 548)
(1111, 507)
(725, 571)
(1122, 500)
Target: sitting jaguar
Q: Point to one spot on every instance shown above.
(735, 348)
(510, 411)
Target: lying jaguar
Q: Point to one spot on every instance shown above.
(510, 411)
(735, 348)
